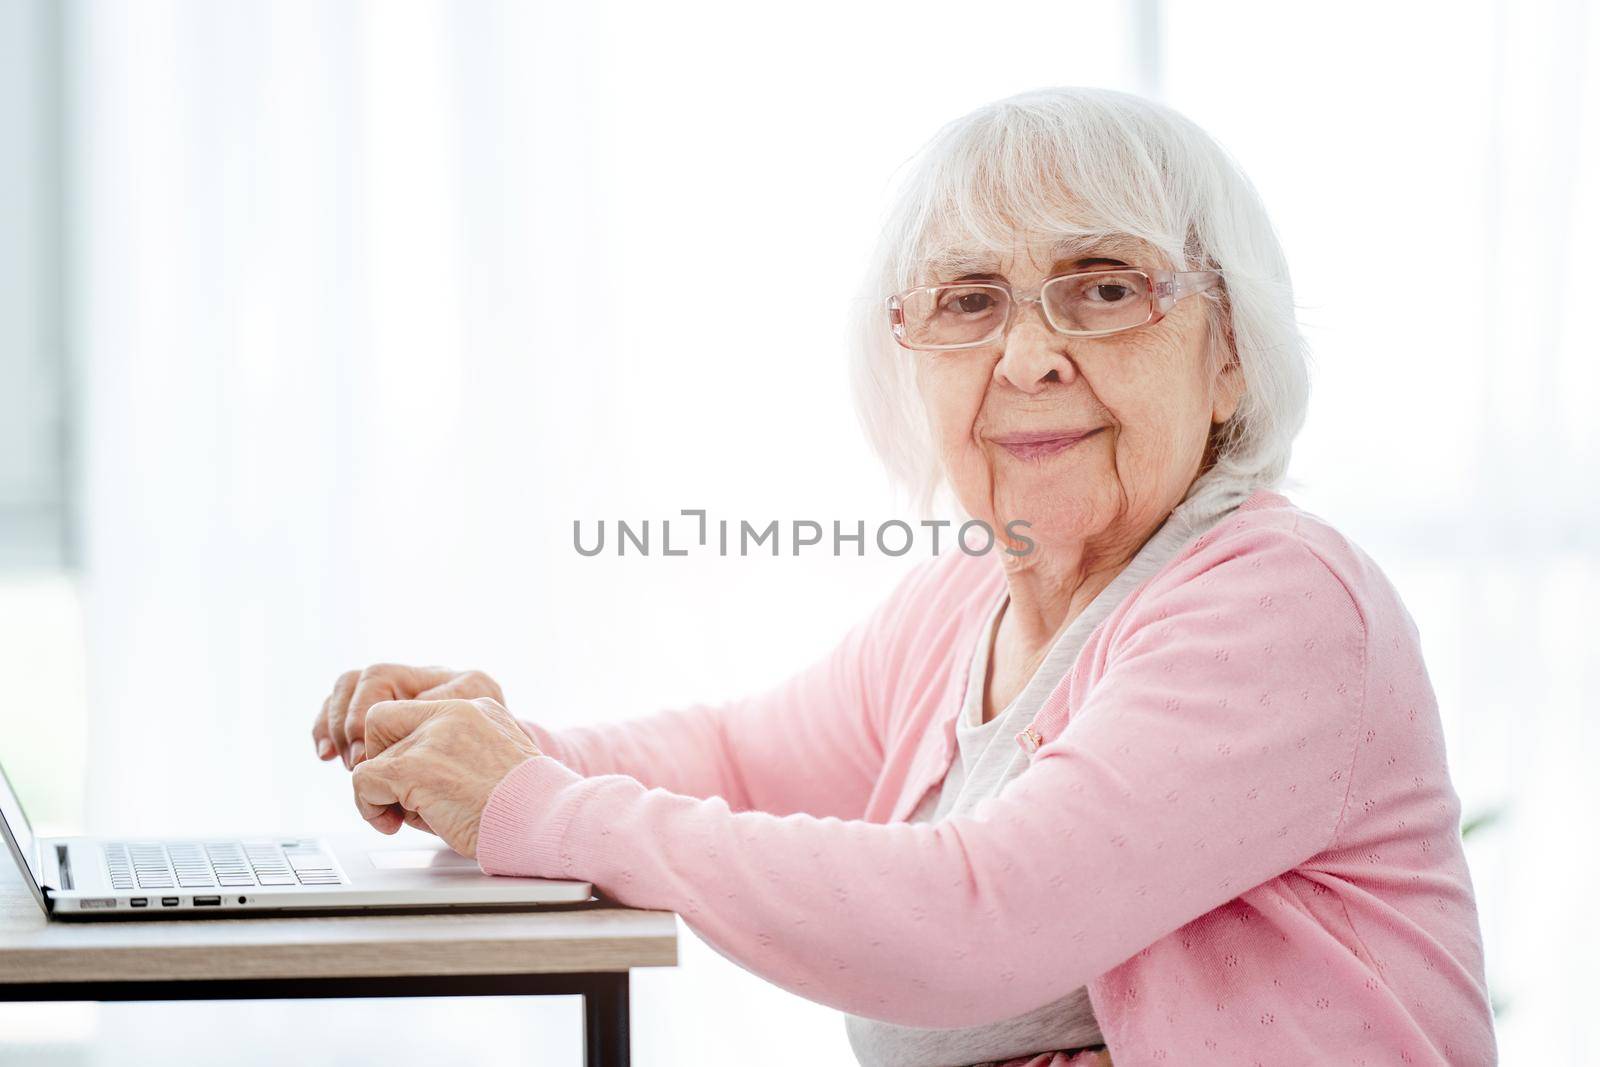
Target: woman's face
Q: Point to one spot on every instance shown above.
(1146, 399)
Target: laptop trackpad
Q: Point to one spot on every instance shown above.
(416, 859)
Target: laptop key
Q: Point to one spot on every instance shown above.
(318, 878)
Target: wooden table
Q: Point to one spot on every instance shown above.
(584, 950)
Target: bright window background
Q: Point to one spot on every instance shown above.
(325, 321)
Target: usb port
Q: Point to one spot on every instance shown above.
(169, 902)
(207, 902)
(139, 902)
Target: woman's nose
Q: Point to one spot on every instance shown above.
(1034, 355)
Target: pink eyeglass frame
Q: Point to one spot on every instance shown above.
(1166, 289)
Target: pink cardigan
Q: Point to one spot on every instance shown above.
(1237, 827)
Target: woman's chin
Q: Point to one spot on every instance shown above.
(1053, 515)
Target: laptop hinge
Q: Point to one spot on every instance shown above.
(55, 866)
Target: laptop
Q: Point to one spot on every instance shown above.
(222, 877)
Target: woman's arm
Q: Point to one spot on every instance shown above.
(1214, 754)
(813, 744)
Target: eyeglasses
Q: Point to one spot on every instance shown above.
(1094, 303)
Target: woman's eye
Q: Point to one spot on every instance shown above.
(970, 303)
(1109, 293)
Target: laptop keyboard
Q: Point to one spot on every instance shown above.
(205, 864)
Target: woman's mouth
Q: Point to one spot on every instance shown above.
(1042, 443)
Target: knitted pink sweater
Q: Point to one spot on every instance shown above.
(1237, 827)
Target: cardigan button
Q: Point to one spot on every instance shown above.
(1030, 740)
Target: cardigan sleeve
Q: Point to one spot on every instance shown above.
(1213, 754)
(812, 744)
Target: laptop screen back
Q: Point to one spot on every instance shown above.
(19, 836)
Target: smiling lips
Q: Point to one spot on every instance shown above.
(1041, 443)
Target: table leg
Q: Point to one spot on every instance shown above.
(605, 1021)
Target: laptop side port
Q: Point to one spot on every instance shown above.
(138, 902)
(169, 902)
(207, 902)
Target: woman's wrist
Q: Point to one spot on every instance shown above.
(523, 826)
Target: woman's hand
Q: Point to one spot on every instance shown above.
(438, 759)
(340, 728)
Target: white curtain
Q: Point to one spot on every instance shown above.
(1432, 170)
(373, 300)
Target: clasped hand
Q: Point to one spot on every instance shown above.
(421, 757)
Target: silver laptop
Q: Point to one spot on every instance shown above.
(217, 877)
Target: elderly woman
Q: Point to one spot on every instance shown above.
(1167, 787)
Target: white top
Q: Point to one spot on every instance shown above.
(987, 758)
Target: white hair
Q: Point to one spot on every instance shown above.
(1083, 162)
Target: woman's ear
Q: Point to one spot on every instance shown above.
(1228, 391)
(1228, 385)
